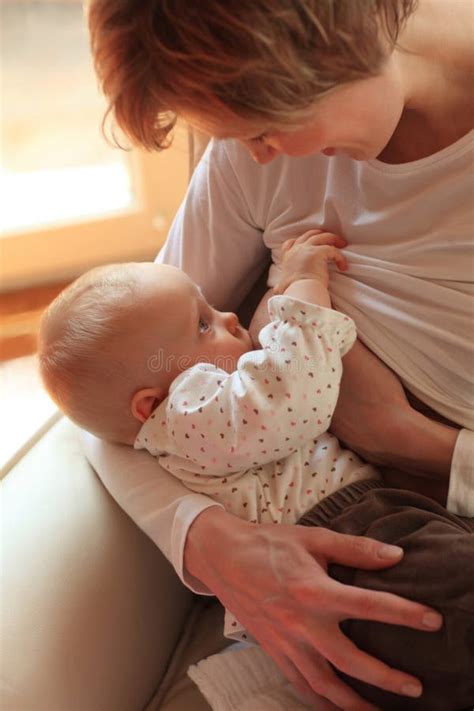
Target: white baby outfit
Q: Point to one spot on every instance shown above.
(256, 440)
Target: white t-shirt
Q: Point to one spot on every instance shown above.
(409, 287)
(409, 230)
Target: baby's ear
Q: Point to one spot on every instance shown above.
(145, 401)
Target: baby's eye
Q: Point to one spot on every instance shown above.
(203, 326)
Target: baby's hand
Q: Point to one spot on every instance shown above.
(307, 257)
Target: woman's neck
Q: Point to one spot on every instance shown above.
(436, 69)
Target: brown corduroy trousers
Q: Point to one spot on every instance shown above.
(437, 569)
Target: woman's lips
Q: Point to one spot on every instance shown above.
(329, 151)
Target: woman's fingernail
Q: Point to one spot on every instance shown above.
(432, 620)
(413, 690)
(390, 552)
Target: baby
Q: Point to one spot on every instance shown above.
(135, 354)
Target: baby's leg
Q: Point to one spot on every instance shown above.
(437, 569)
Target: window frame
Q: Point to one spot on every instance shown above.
(62, 251)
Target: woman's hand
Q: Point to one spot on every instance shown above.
(374, 418)
(275, 581)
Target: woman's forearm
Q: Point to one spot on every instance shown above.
(374, 418)
(206, 541)
(260, 318)
(425, 447)
(433, 488)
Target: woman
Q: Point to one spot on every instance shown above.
(365, 106)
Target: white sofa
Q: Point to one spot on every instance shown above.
(93, 617)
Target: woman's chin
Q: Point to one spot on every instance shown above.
(353, 153)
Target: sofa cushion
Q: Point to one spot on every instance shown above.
(202, 637)
(91, 610)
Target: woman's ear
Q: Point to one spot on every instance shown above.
(145, 401)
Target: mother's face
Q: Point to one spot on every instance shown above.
(357, 119)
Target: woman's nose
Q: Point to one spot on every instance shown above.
(262, 153)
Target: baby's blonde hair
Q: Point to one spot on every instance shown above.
(264, 61)
(81, 361)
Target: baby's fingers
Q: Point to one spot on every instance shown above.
(327, 238)
(287, 244)
(336, 256)
(309, 234)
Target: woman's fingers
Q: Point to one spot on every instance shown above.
(362, 604)
(354, 551)
(351, 660)
(358, 603)
(300, 683)
(318, 673)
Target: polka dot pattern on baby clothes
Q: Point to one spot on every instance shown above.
(230, 429)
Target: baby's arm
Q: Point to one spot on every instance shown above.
(279, 397)
(297, 263)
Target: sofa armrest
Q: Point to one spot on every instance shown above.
(91, 610)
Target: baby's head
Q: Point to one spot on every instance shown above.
(111, 344)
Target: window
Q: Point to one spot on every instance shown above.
(69, 200)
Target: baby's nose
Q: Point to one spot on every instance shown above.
(231, 321)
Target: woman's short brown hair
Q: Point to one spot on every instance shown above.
(264, 61)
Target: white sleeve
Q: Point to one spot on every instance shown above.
(461, 483)
(214, 237)
(159, 504)
(278, 398)
(216, 241)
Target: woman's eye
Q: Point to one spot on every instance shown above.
(203, 326)
(260, 138)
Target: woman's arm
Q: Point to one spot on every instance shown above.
(374, 418)
(275, 581)
(260, 318)
(159, 504)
